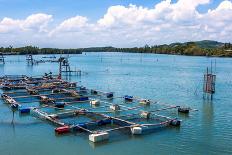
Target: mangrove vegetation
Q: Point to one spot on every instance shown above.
(198, 48)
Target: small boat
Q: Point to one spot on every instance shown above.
(183, 110)
(110, 95)
(128, 98)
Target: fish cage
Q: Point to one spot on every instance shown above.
(72, 108)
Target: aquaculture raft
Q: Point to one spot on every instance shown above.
(74, 108)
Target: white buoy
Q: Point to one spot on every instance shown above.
(115, 107)
(95, 102)
(98, 137)
(136, 130)
(145, 114)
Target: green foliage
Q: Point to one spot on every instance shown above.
(37, 50)
(198, 48)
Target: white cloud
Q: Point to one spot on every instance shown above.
(73, 24)
(125, 15)
(29, 31)
(8, 24)
(218, 20)
(186, 9)
(127, 26)
(36, 22)
(225, 5)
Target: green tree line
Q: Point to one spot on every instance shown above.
(200, 48)
(37, 50)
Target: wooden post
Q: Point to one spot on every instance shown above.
(2, 58)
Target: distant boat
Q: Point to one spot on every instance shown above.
(184, 110)
(49, 57)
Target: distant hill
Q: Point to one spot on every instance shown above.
(209, 44)
(201, 44)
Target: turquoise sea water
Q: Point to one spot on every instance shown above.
(171, 79)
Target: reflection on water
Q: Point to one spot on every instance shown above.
(95, 145)
(208, 112)
(13, 127)
(2, 70)
(29, 68)
(67, 77)
(207, 120)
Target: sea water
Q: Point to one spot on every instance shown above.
(176, 80)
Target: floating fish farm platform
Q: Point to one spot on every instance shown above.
(72, 108)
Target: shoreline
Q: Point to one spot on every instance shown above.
(211, 56)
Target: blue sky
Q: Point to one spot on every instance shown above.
(94, 9)
(112, 20)
(61, 9)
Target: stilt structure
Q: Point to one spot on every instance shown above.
(30, 60)
(2, 59)
(209, 83)
(64, 67)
